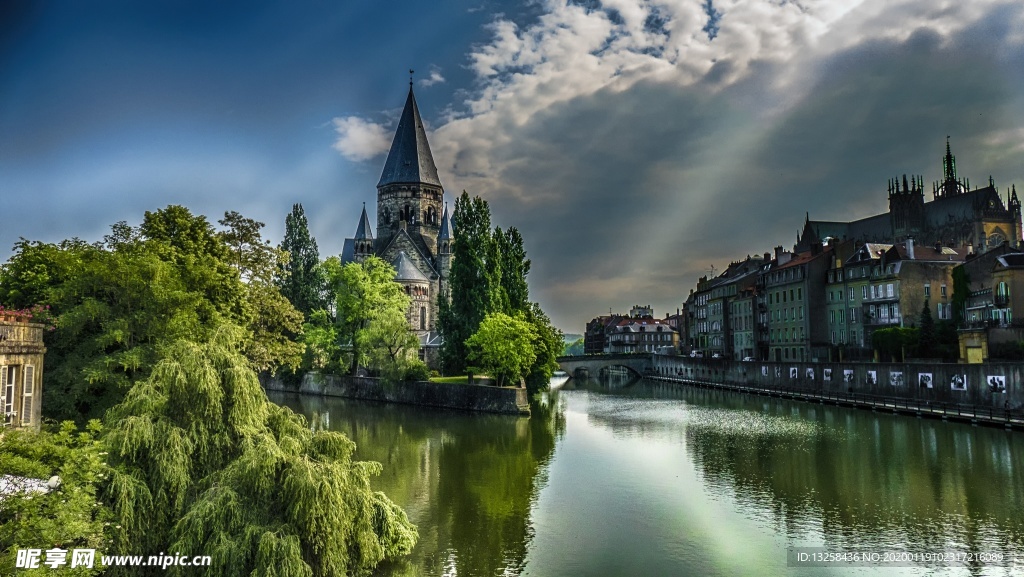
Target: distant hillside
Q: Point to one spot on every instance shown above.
(571, 337)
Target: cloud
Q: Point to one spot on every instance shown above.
(637, 142)
(360, 139)
(434, 78)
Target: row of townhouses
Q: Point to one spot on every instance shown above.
(844, 280)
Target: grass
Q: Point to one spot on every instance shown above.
(457, 380)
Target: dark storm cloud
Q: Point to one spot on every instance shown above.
(627, 196)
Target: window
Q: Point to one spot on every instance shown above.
(7, 390)
(28, 390)
(841, 321)
(864, 292)
(799, 294)
(790, 294)
(832, 317)
(942, 291)
(842, 335)
(888, 290)
(927, 291)
(883, 312)
(423, 318)
(833, 337)
(853, 316)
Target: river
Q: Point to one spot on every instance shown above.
(647, 478)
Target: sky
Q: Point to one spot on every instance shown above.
(635, 144)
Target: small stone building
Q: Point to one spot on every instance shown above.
(21, 373)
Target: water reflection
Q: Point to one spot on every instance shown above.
(842, 477)
(468, 481)
(627, 477)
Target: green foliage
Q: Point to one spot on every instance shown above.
(961, 290)
(301, 278)
(320, 338)
(894, 343)
(574, 348)
(1009, 351)
(68, 517)
(547, 345)
(926, 343)
(118, 302)
(206, 463)
(471, 291)
(514, 268)
(391, 346)
(366, 292)
(503, 347)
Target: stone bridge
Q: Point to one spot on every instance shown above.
(596, 365)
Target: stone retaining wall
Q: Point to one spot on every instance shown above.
(484, 398)
(884, 379)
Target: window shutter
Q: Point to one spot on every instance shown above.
(28, 391)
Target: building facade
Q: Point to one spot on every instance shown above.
(21, 373)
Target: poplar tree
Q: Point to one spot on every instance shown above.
(205, 464)
(514, 268)
(471, 291)
(300, 278)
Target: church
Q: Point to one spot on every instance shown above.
(957, 216)
(414, 232)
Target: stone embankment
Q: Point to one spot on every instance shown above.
(506, 400)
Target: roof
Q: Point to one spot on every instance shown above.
(364, 228)
(348, 251)
(446, 226)
(409, 159)
(804, 258)
(406, 270)
(930, 253)
(1013, 260)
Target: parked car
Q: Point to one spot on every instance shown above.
(696, 354)
(747, 359)
(716, 356)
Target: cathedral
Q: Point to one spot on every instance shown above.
(414, 232)
(957, 215)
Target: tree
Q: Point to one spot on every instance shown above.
(366, 292)
(961, 290)
(272, 320)
(116, 303)
(66, 517)
(547, 345)
(204, 462)
(391, 346)
(514, 268)
(471, 293)
(301, 279)
(926, 338)
(503, 347)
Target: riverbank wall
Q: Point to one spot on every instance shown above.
(989, 385)
(483, 398)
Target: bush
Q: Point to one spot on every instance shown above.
(417, 371)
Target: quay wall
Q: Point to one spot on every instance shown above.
(484, 398)
(903, 380)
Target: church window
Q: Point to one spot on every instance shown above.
(423, 318)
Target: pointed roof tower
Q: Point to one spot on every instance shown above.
(363, 231)
(405, 270)
(409, 159)
(446, 226)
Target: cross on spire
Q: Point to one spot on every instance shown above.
(411, 72)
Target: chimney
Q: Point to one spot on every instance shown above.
(910, 247)
(778, 251)
(938, 246)
(767, 256)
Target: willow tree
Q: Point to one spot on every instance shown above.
(205, 464)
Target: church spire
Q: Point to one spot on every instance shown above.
(446, 226)
(409, 160)
(363, 231)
